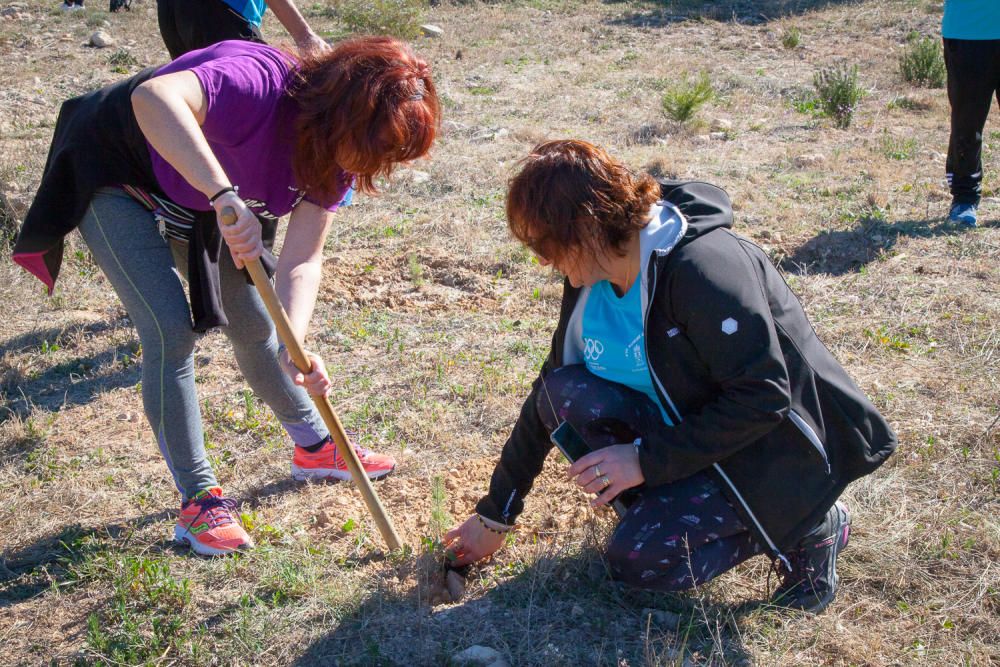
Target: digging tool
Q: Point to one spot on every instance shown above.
(302, 362)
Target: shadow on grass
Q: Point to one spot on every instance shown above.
(73, 382)
(659, 13)
(841, 252)
(559, 610)
(33, 569)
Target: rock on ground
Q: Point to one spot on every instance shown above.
(431, 30)
(101, 39)
(664, 619)
(479, 656)
(810, 160)
(456, 586)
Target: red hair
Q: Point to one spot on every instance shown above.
(572, 196)
(363, 107)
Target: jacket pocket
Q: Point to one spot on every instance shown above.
(810, 435)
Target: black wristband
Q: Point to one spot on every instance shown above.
(231, 188)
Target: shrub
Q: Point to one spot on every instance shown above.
(922, 63)
(838, 93)
(399, 18)
(683, 100)
(121, 60)
(791, 37)
(898, 148)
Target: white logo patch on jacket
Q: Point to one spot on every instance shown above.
(729, 326)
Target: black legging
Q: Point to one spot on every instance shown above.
(673, 536)
(973, 81)
(187, 25)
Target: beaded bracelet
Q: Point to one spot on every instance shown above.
(491, 528)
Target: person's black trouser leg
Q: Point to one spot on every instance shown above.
(187, 25)
(973, 79)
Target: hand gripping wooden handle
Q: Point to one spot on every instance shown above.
(303, 363)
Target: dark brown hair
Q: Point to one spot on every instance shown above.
(572, 196)
(365, 106)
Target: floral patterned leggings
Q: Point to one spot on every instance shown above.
(673, 536)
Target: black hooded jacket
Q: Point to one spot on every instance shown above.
(757, 400)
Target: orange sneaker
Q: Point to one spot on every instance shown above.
(327, 463)
(208, 523)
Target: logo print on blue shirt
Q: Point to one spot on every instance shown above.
(592, 349)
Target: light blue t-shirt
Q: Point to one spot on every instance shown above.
(251, 10)
(613, 340)
(971, 19)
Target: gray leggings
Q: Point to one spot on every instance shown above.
(140, 264)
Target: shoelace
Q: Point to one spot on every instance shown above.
(352, 438)
(800, 570)
(218, 511)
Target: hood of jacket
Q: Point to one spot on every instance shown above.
(685, 211)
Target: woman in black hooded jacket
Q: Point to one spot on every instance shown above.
(713, 412)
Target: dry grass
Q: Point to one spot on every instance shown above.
(435, 323)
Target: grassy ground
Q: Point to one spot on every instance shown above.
(434, 323)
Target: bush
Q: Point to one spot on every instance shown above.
(683, 100)
(838, 93)
(922, 63)
(121, 60)
(399, 18)
(898, 148)
(791, 37)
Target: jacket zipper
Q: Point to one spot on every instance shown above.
(810, 435)
(739, 497)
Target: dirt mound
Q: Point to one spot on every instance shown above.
(425, 281)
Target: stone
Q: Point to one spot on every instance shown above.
(810, 160)
(418, 177)
(431, 30)
(479, 656)
(490, 134)
(101, 40)
(718, 136)
(663, 619)
(454, 126)
(722, 124)
(456, 586)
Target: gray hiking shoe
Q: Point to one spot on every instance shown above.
(812, 584)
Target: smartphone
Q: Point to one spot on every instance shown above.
(573, 446)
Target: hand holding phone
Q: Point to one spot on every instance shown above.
(573, 446)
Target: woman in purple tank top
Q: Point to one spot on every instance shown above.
(144, 168)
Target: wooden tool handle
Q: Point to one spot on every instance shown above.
(326, 411)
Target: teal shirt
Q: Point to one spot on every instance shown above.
(613, 340)
(251, 10)
(971, 19)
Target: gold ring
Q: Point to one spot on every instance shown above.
(597, 471)
(607, 482)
